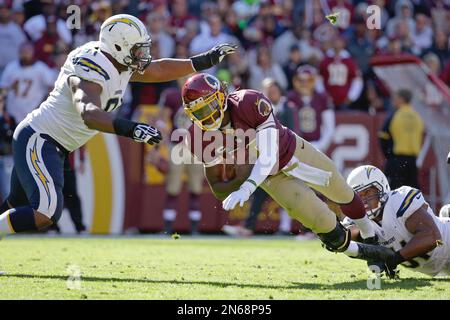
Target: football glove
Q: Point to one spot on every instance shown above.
(240, 196)
(146, 134)
(384, 258)
(212, 57)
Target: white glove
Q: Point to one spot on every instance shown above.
(146, 134)
(240, 196)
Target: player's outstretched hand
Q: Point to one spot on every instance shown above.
(146, 134)
(212, 57)
(220, 51)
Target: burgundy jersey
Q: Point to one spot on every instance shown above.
(308, 119)
(338, 73)
(249, 109)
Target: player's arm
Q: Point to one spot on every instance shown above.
(86, 98)
(267, 145)
(163, 70)
(221, 189)
(426, 234)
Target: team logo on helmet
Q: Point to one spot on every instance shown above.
(212, 82)
(264, 107)
(123, 20)
(369, 170)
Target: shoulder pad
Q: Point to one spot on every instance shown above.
(89, 64)
(404, 201)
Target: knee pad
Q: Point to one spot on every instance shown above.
(337, 240)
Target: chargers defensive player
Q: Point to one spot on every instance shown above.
(404, 222)
(287, 167)
(90, 85)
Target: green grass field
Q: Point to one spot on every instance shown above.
(216, 268)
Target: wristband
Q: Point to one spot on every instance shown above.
(124, 127)
(202, 61)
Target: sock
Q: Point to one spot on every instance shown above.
(365, 227)
(169, 214)
(285, 221)
(195, 215)
(17, 220)
(168, 226)
(352, 250)
(194, 226)
(356, 211)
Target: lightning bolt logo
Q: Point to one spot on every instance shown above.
(35, 161)
(123, 20)
(369, 171)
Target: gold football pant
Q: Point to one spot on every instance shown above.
(298, 198)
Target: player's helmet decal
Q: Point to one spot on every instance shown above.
(264, 107)
(212, 81)
(369, 169)
(204, 101)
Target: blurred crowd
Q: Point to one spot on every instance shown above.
(286, 47)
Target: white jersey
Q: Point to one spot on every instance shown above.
(58, 116)
(392, 231)
(27, 87)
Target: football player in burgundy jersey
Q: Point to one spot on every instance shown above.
(285, 166)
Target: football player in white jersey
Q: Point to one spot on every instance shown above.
(90, 85)
(404, 222)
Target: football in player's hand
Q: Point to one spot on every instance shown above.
(228, 172)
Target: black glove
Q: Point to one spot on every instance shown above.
(384, 258)
(212, 57)
(147, 134)
(391, 264)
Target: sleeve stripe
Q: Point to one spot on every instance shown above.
(85, 62)
(407, 202)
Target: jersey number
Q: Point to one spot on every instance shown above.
(26, 90)
(338, 74)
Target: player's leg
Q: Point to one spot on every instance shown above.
(259, 197)
(338, 190)
(17, 198)
(72, 200)
(173, 188)
(39, 169)
(195, 174)
(303, 205)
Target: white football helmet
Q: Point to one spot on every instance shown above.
(364, 177)
(445, 211)
(126, 39)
